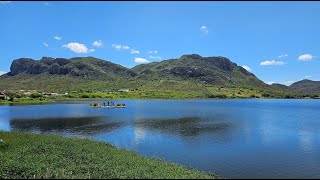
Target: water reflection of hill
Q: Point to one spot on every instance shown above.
(73, 125)
(185, 127)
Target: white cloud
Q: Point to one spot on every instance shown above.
(288, 83)
(92, 50)
(77, 47)
(204, 29)
(2, 72)
(282, 56)
(273, 62)
(119, 46)
(153, 52)
(57, 38)
(247, 68)
(5, 2)
(97, 43)
(141, 60)
(270, 82)
(308, 76)
(133, 51)
(45, 44)
(305, 57)
(154, 57)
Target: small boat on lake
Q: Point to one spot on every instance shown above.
(97, 105)
(121, 105)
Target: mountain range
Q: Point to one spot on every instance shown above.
(189, 73)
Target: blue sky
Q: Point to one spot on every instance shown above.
(278, 41)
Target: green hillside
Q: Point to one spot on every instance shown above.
(306, 86)
(190, 76)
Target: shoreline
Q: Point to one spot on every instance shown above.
(52, 101)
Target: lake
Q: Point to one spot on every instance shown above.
(251, 138)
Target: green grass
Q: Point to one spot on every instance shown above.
(27, 101)
(26, 156)
(212, 92)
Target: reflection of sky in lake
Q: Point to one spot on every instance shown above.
(234, 138)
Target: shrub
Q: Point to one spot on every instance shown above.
(11, 96)
(36, 95)
(85, 96)
(18, 96)
(289, 96)
(217, 96)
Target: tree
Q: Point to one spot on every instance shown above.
(11, 96)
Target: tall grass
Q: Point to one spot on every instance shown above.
(25, 155)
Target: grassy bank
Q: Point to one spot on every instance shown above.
(42, 156)
(214, 93)
(26, 101)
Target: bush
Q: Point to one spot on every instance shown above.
(288, 96)
(36, 95)
(84, 96)
(69, 96)
(217, 96)
(18, 96)
(11, 96)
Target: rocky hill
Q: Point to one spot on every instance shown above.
(189, 73)
(88, 67)
(211, 70)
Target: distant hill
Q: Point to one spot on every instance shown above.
(301, 87)
(306, 86)
(279, 86)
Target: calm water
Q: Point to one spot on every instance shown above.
(233, 138)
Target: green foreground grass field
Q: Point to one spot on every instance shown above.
(27, 156)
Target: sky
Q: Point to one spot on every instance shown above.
(277, 41)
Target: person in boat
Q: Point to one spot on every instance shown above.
(104, 103)
(108, 103)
